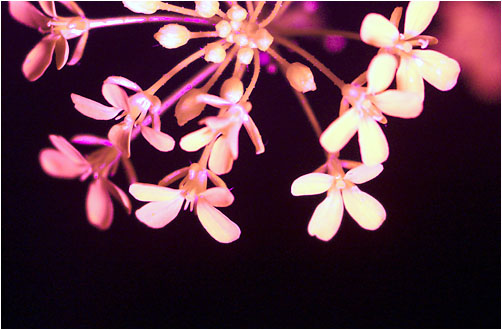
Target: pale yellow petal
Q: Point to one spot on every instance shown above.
(216, 223)
(363, 173)
(363, 208)
(147, 192)
(62, 52)
(196, 140)
(399, 103)
(189, 106)
(58, 165)
(116, 96)
(327, 217)
(93, 109)
(437, 69)
(221, 160)
(159, 140)
(254, 134)
(124, 82)
(340, 131)
(311, 184)
(39, 58)
(99, 205)
(218, 196)
(79, 49)
(120, 136)
(408, 78)
(419, 15)
(378, 31)
(372, 143)
(159, 214)
(381, 72)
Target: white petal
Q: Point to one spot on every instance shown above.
(39, 58)
(27, 14)
(62, 52)
(147, 192)
(363, 208)
(311, 184)
(159, 140)
(363, 173)
(116, 96)
(216, 223)
(378, 31)
(218, 196)
(93, 109)
(67, 149)
(418, 17)
(372, 143)
(340, 131)
(381, 72)
(99, 205)
(196, 140)
(158, 214)
(120, 136)
(399, 103)
(221, 160)
(327, 217)
(437, 69)
(408, 78)
(124, 82)
(58, 165)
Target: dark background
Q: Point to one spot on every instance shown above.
(435, 262)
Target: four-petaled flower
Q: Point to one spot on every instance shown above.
(135, 108)
(57, 31)
(66, 162)
(342, 191)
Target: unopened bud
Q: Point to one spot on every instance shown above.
(142, 7)
(223, 28)
(263, 39)
(207, 8)
(237, 13)
(215, 53)
(245, 55)
(232, 90)
(188, 107)
(300, 77)
(172, 35)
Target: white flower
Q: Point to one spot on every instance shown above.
(142, 7)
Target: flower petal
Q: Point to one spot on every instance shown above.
(57, 164)
(218, 196)
(67, 149)
(340, 131)
(159, 140)
(221, 159)
(213, 100)
(408, 78)
(363, 208)
(93, 109)
(62, 52)
(363, 173)
(79, 49)
(124, 82)
(381, 72)
(119, 195)
(196, 140)
(99, 205)
(25, 13)
(89, 139)
(418, 17)
(120, 136)
(311, 184)
(254, 134)
(49, 7)
(372, 142)
(159, 214)
(437, 69)
(39, 58)
(116, 96)
(147, 192)
(73, 7)
(399, 103)
(189, 107)
(216, 223)
(378, 31)
(327, 217)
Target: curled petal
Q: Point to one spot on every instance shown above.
(116, 96)
(437, 69)
(218, 196)
(147, 192)
(62, 52)
(254, 134)
(381, 72)
(221, 159)
(196, 140)
(408, 78)
(56, 164)
(93, 109)
(79, 49)
(67, 149)
(363, 208)
(399, 103)
(327, 217)
(39, 58)
(378, 31)
(418, 17)
(90, 140)
(363, 173)
(99, 205)
(216, 223)
(311, 184)
(339, 132)
(372, 143)
(119, 195)
(25, 13)
(159, 214)
(49, 7)
(159, 140)
(124, 82)
(120, 136)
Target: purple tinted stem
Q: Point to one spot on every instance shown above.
(99, 23)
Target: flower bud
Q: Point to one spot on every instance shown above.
(263, 39)
(188, 107)
(215, 53)
(245, 55)
(172, 35)
(237, 13)
(142, 7)
(207, 8)
(223, 28)
(232, 90)
(300, 77)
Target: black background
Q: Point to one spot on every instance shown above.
(435, 262)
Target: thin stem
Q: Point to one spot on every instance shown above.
(254, 78)
(177, 9)
(317, 32)
(250, 8)
(125, 20)
(220, 69)
(203, 34)
(309, 113)
(272, 15)
(282, 62)
(256, 12)
(309, 57)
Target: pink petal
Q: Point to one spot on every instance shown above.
(381, 72)
(74, 8)
(124, 82)
(189, 107)
(62, 52)
(372, 142)
(159, 214)
(49, 7)
(311, 184)
(221, 159)
(378, 31)
(147, 192)
(160, 141)
(254, 134)
(327, 217)
(363, 173)
(119, 195)
(25, 13)
(216, 223)
(67, 149)
(339, 132)
(232, 138)
(90, 140)
(79, 49)
(120, 136)
(39, 58)
(399, 103)
(437, 69)
(93, 109)
(99, 205)
(363, 208)
(217, 123)
(418, 17)
(116, 96)
(196, 140)
(218, 196)
(408, 78)
(213, 100)
(56, 164)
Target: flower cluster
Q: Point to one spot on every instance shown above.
(250, 36)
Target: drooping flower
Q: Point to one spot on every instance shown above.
(66, 162)
(134, 109)
(368, 103)
(165, 203)
(415, 65)
(57, 31)
(342, 191)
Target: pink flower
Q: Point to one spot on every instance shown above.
(57, 31)
(66, 162)
(415, 65)
(341, 191)
(134, 109)
(165, 203)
